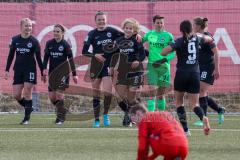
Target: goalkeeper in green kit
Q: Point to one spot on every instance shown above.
(158, 67)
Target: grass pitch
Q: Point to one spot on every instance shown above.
(43, 140)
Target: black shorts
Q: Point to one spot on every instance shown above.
(25, 76)
(98, 69)
(187, 82)
(59, 85)
(134, 80)
(206, 74)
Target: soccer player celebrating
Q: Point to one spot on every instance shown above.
(209, 70)
(100, 61)
(27, 51)
(158, 67)
(129, 56)
(57, 51)
(161, 132)
(187, 78)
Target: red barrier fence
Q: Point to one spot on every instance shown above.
(224, 24)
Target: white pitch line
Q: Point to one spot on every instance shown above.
(87, 129)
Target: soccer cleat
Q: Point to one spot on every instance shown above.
(96, 124)
(206, 126)
(24, 122)
(126, 120)
(188, 133)
(198, 123)
(106, 120)
(221, 115)
(58, 121)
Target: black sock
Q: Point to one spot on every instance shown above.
(203, 104)
(61, 110)
(55, 102)
(96, 108)
(28, 109)
(107, 103)
(124, 106)
(182, 116)
(199, 112)
(213, 104)
(22, 102)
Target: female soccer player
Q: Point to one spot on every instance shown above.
(161, 132)
(158, 67)
(187, 78)
(100, 61)
(209, 70)
(130, 70)
(57, 51)
(27, 51)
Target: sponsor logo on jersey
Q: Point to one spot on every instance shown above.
(56, 54)
(60, 48)
(29, 45)
(128, 50)
(23, 50)
(104, 42)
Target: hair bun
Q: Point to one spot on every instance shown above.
(205, 19)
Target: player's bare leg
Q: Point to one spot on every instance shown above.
(206, 126)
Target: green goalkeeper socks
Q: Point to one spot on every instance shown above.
(161, 103)
(151, 105)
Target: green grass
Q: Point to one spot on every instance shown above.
(43, 140)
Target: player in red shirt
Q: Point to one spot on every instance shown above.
(161, 131)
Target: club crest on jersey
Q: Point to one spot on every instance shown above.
(60, 48)
(109, 34)
(29, 45)
(130, 44)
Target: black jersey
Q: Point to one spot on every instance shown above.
(187, 53)
(129, 50)
(57, 53)
(26, 49)
(99, 39)
(206, 55)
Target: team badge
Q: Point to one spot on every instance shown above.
(60, 48)
(29, 45)
(109, 34)
(130, 43)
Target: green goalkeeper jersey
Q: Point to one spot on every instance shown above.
(157, 41)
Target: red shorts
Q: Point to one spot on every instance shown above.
(170, 151)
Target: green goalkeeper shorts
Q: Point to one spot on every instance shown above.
(159, 76)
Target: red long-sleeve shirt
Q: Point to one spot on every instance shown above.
(161, 126)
